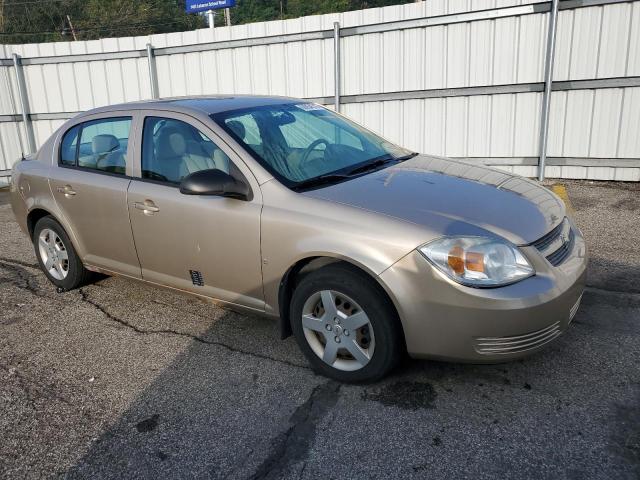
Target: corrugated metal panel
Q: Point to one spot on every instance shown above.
(479, 124)
(43, 129)
(483, 126)
(593, 42)
(502, 51)
(8, 104)
(607, 105)
(577, 123)
(633, 61)
(585, 42)
(614, 41)
(629, 142)
(11, 141)
(598, 42)
(595, 123)
(505, 48)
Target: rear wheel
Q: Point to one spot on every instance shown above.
(56, 255)
(345, 325)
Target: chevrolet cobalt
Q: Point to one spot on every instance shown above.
(362, 249)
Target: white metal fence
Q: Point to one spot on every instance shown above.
(462, 78)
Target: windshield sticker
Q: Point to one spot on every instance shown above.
(308, 107)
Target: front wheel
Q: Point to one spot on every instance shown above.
(56, 255)
(345, 325)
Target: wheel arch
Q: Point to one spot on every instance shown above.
(306, 265)
(38, 212)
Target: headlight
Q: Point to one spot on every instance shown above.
(478, 261)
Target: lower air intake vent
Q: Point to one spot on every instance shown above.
(196, 278)
(518, 343)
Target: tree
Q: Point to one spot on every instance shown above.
(46, 20)
(29, 21)
(247, 11)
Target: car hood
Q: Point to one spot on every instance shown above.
(450, 197)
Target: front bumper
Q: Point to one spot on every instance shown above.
(445, 320)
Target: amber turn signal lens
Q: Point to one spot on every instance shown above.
(456, 259)
(474, 261)
(478, 261)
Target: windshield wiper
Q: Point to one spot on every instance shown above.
(321, 180)
(406, 157)
(337, 177)
(379, 162)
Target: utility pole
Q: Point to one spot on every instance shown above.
(73, 30)
(211, 17)
(227, 16)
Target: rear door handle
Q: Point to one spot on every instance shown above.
(148, 207)
(67, 190)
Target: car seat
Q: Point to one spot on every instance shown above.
(102, 146)
(112, 160)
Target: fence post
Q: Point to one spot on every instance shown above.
(153, 73)
(548, 82)
(336, 67)
(24, 104)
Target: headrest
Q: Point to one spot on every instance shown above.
(104, 143)
(171, 143)
(178, 143)
(237, 128)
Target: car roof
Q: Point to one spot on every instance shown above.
(206, 104)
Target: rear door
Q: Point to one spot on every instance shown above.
(203, 244)
(90, 187)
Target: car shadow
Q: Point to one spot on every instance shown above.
(216, 394)
(237, 402)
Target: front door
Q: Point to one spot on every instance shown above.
(90, 188)
(204, 244)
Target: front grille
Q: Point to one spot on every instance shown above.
(556, 245)
(544, 243)
(517, 343)
(557, 257)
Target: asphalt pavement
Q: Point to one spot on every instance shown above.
(123, 380)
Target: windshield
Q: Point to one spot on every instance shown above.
(300, 142)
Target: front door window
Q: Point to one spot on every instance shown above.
(172, 149)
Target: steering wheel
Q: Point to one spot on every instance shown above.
(305, 156)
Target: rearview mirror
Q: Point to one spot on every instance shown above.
(284, 118)
(214, 182)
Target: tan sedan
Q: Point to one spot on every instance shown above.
(362, 249)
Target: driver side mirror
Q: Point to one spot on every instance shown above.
(214, 182)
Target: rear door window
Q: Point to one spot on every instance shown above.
(104, 145)
(100, 145)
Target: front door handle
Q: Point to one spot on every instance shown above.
(67, 190)
(147, 207)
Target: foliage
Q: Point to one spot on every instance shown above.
(29, 21)
(261, 10)
(46, 20)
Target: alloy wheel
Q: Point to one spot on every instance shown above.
(53, 254)
(338, 330)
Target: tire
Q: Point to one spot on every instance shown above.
(354, 293)
(72, 273)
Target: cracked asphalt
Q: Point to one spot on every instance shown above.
(123, 380)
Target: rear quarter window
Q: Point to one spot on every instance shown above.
(69, 146)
